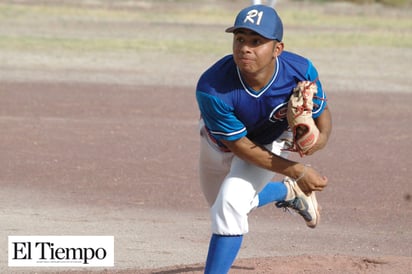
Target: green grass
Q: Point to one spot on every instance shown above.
(393, 3)
(106, 45)
(61, 28)
(76, 13)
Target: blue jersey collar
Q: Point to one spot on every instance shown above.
(252, 92)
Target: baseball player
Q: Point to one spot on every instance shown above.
(243, 102)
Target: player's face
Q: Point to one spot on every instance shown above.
(254, 54)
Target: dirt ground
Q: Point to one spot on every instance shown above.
(92, 157)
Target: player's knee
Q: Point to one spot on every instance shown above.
(230, 215)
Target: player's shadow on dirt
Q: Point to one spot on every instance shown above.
(180, 270)
(189, 269)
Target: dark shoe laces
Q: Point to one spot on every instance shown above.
(296, 204)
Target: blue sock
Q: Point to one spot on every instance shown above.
(222, 253)
(273, 191)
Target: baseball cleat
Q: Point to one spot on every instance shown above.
(306, 206)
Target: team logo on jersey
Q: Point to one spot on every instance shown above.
(279, 113)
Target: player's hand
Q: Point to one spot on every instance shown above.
(312, 181)
(320, 143)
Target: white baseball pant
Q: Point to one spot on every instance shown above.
(231, 185)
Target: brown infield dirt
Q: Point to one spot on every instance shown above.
(86, 159)
(99, 158)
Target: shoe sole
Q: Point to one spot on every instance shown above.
(317, 208)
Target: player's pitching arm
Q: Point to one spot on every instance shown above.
(324, 124)
(248, 151)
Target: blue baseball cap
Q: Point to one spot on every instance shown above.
(261, 19)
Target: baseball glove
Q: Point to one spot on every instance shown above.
(299, 115)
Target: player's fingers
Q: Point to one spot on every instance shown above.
(322, 183)
(325, 180)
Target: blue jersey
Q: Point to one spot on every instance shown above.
(232, 110)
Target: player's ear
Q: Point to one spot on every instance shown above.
(278, 48)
